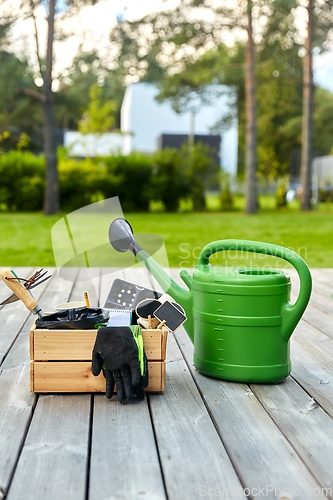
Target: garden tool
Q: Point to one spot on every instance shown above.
(125, 295)
(119, 352)
(31, 283)
(78, 318)
(240, 320)
(20, 291)
(171, 314)
(145, 310)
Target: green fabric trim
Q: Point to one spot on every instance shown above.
(99, 325)
(136, 330)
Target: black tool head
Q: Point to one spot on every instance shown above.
(172, 313)
(147, 307)
(125, 295)
(121, 236)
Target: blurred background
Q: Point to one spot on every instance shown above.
(196, 114)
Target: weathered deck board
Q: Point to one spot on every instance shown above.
(304, 423)
(316, 324)
(320, 319)
(124, 460)
(193, 457)
(319, 312)
(12, 316)
(308, 335)
(324, 276)
(17, 402)
(320, 301)
(313, 370)
(54, 458)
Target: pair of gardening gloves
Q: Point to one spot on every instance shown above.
(119, 353)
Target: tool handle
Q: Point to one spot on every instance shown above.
(19, 290)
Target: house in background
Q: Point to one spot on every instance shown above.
(91, 145)
(147, 125)
(177, 140)
(144, 120)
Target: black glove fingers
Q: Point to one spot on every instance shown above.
(97, 363)
(127, 381)
(135, 371)
(116, 353)
(139, 391)
(109, 383)
(120, 386)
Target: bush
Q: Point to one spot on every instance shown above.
(168, 176)
(326, 195)
(183, 173)
(201, 171)
(281, 193)
(22, 181)
(133, 176)
(84, 182)
(169, 181)
(226, 195)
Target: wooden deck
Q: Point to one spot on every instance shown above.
(202, 438)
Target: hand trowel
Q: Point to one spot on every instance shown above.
(13, 282)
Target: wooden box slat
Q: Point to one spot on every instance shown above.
(61, 360)
(72, 345)
(76, 376)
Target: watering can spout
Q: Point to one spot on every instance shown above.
(183, 297)
(121, 238)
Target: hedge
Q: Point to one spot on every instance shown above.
(166, 176)
(21, 181)
(81, 182)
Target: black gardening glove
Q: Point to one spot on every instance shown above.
(118, 351)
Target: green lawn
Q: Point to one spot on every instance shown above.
(26, 238)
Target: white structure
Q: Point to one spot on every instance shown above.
(93, 144)
(322, 175)
(144, 119)
(322, 167)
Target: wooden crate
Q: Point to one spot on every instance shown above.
(60, 360)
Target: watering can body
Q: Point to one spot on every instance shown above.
(239, 320)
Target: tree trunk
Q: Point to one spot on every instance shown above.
(51, 197)
(251, 125)
(308, 100)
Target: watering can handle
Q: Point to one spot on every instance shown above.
(292, 313)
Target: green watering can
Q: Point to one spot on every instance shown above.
(239, 320)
